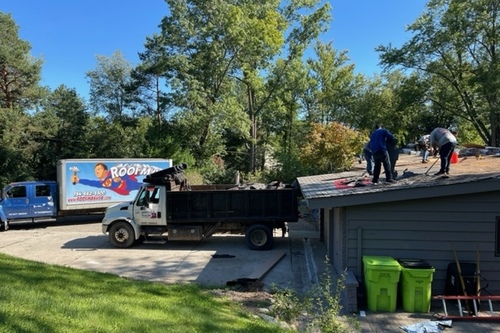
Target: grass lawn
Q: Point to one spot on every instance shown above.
(36, 297)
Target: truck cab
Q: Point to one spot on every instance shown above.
(147, 206)
(28, 202)
(127, 221)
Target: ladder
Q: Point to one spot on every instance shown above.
(475, 301)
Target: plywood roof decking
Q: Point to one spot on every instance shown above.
(469, 175)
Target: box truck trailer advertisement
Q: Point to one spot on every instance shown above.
(106, 181)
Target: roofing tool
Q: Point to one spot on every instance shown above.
(460, 277)
(437, 159)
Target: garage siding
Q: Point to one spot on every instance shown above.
(425, 229)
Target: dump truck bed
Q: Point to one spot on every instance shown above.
(232, 205)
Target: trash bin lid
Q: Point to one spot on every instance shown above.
(384, 262)
(414, 263)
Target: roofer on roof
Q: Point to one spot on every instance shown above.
(378, 146)
(446, 142)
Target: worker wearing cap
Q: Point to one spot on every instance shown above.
(446, 141)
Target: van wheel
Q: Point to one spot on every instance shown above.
(259, 237)
(121, 234)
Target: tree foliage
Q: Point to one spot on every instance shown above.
(214, 71)
(19, 71)
(228, 86)
(335, 79)
(329, 148)
(108, 84)
(455, 42)
(59, 131)
(145, 92)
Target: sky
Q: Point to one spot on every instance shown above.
(69, 34)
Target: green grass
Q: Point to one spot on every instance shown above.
(36, 297)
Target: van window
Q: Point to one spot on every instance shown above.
(42, 190)
(17, 192)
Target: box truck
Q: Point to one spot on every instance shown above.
(83, 186)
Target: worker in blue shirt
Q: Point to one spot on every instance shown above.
(378, 146)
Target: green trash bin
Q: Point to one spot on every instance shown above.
(416, 285)
(381, 282)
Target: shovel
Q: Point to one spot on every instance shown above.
(437, 159)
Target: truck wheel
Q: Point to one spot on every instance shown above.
(259, 237)
(121, 234)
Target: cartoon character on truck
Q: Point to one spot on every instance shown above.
(119, 184)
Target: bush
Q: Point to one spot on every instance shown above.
(331, 148)
(322, 306)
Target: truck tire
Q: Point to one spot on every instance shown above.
(121, 234)
(259, 237)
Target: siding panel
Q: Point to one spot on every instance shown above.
(428, 229)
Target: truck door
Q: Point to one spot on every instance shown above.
(42, 203)
(16, 202)
(148, 208)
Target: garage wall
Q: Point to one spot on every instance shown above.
(426, 229)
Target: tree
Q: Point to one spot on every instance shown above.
(145, 91)
(107, 86)
(455, 42)
(60, 131)
(117, 139)
(305, 21)
(16, 146)
(19, 71)
(336, 82)
(214, 71)
(281, 113)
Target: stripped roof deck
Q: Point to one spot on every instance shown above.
(469, 175)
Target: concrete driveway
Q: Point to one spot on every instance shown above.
(214, 261)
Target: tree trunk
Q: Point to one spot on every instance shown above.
(253, 128)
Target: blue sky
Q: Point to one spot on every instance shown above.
(68, 34)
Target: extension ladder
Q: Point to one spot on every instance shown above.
(475, 300)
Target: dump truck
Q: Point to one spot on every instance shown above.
(83, 186)
(167, 208)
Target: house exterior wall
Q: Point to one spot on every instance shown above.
(422, 229)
